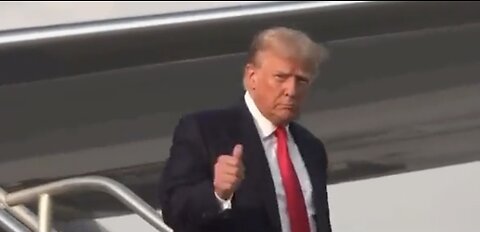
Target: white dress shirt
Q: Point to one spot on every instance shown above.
(265, 129)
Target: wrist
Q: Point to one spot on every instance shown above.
(223, 195)
(224, 203)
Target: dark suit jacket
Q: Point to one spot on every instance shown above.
(187, 193)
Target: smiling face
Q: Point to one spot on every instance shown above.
(278, 85)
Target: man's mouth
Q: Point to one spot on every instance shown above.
(287, 106)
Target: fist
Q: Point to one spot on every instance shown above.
(229, 172)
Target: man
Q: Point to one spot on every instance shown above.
(251, 167)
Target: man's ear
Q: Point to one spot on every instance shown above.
(250, 72)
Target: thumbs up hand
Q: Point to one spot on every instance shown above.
(229, 172)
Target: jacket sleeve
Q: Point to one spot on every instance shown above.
(187, 194)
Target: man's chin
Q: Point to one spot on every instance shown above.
(289, 115)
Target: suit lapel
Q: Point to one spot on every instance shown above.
(312, 159)
(256, 165)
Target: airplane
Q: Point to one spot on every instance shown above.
(396, 106)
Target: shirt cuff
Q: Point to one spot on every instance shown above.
(224, 204)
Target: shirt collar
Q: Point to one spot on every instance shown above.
(264, 126)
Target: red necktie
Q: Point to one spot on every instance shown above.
(297, 211)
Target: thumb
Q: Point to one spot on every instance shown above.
(238, 151)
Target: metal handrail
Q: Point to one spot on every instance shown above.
(97, 183)
(9, 223)
(26, 216)
(22, 213)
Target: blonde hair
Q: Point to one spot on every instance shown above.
(290, 43)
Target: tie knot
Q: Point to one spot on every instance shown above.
(281, 132)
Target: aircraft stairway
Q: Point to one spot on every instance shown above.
(15, 217)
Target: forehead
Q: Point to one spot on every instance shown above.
(278, 61)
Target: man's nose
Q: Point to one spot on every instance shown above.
(290, 87)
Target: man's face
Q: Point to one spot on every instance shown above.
(278, 86)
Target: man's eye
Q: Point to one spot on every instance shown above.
(303, 81)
